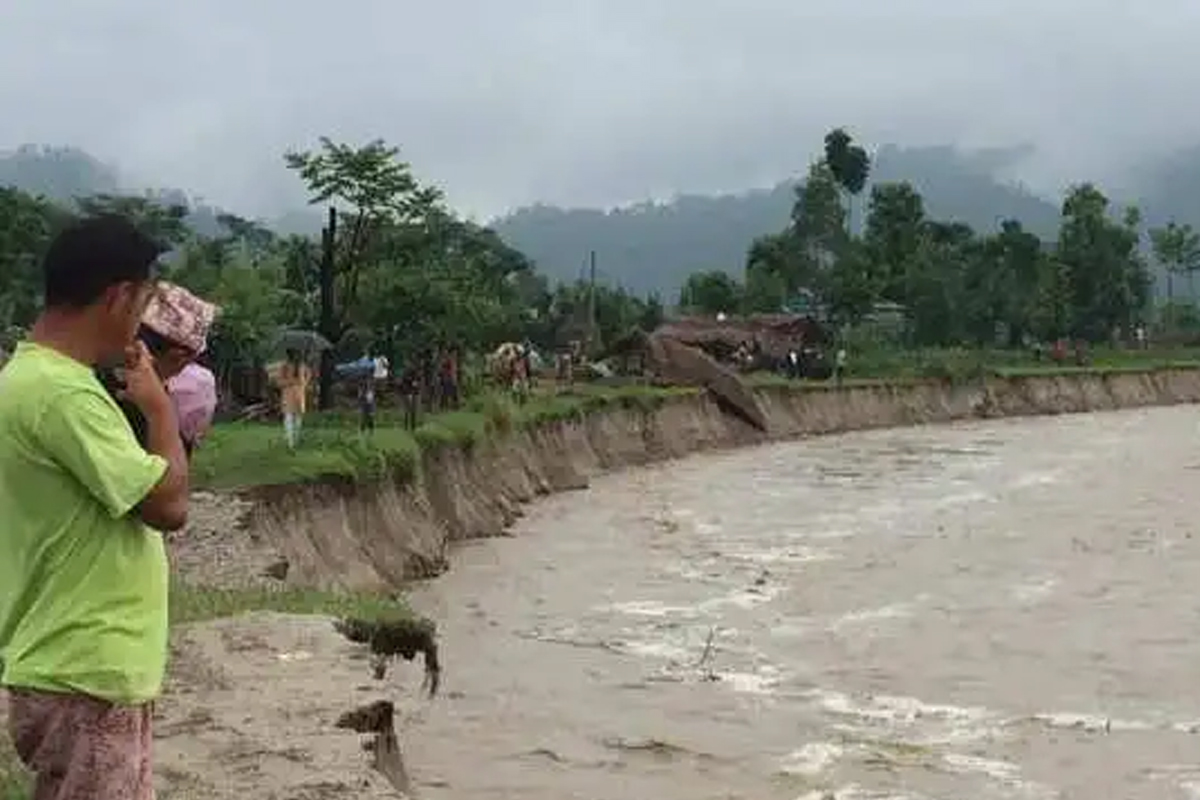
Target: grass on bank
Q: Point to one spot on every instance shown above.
(245, 454)
(964, 364)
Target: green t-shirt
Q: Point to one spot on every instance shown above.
(83, 582)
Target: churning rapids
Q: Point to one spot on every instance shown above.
(990, 610)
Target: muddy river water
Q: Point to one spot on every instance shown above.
(993, 610)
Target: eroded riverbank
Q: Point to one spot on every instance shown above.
(338, 534)
(987, 610)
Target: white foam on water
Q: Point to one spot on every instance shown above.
(812, 759)
(1004, 773)
(852, 791)
(927, 724)
(910, 709)
(998, 770)
(763, 682)
(744, 598)
(864, 615)
(658, 649)
(1092, 723)
(1031, 479)
(785, 555)
(963, 498)
(831, 533)
(1035, 590)
(648, 608)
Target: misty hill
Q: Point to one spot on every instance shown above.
(654, 246)
(63, 174)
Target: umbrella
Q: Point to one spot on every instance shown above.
(361, 368)
(302, 341)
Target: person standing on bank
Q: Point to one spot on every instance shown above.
(83, 614)
(294, 378)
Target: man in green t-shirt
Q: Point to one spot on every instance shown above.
(83, 570)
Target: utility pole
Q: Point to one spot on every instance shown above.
(328, 322)
(592, 301)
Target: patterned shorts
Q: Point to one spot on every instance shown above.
(82, 748)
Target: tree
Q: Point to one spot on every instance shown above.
(377, 189)
(1177, 249)
(163, 222)
(1109, 284)
(849, 163)
(27, 224)
(895, 220)
(711, 292)
(818, 229)
(379, 193)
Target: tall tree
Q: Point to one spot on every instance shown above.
(818, 228)
(1108, 281)
(711, 292)
(1177, 249)
(376, 190)
(849, 163)
(895, 220)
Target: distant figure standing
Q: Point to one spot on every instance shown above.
(294, 379)
(449, 378)
(366, 404)
(839, 366)
(410, 391)
(427, 366)
(367, 392)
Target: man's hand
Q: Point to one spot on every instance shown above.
(143, 387)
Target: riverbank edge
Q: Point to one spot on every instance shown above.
(337, 534)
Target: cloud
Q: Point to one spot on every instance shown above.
(591, 101)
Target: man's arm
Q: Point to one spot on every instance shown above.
(85, 432)
(165, 507)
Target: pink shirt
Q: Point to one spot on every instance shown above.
(194, 391)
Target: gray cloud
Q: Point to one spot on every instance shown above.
(590, 101)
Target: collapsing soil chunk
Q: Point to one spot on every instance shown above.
(389, 638)
(378, 719)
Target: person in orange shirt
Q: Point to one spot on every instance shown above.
(295, 376)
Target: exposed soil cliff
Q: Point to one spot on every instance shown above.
(379, 535)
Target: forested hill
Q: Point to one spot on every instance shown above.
(66, 173)
(654, 247)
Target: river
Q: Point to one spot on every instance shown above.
(1002, 609)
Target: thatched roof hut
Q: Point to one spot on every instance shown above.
(775, 334)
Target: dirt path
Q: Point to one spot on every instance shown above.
(250, 707)
(210, 552)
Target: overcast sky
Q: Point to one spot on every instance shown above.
(588, 102)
